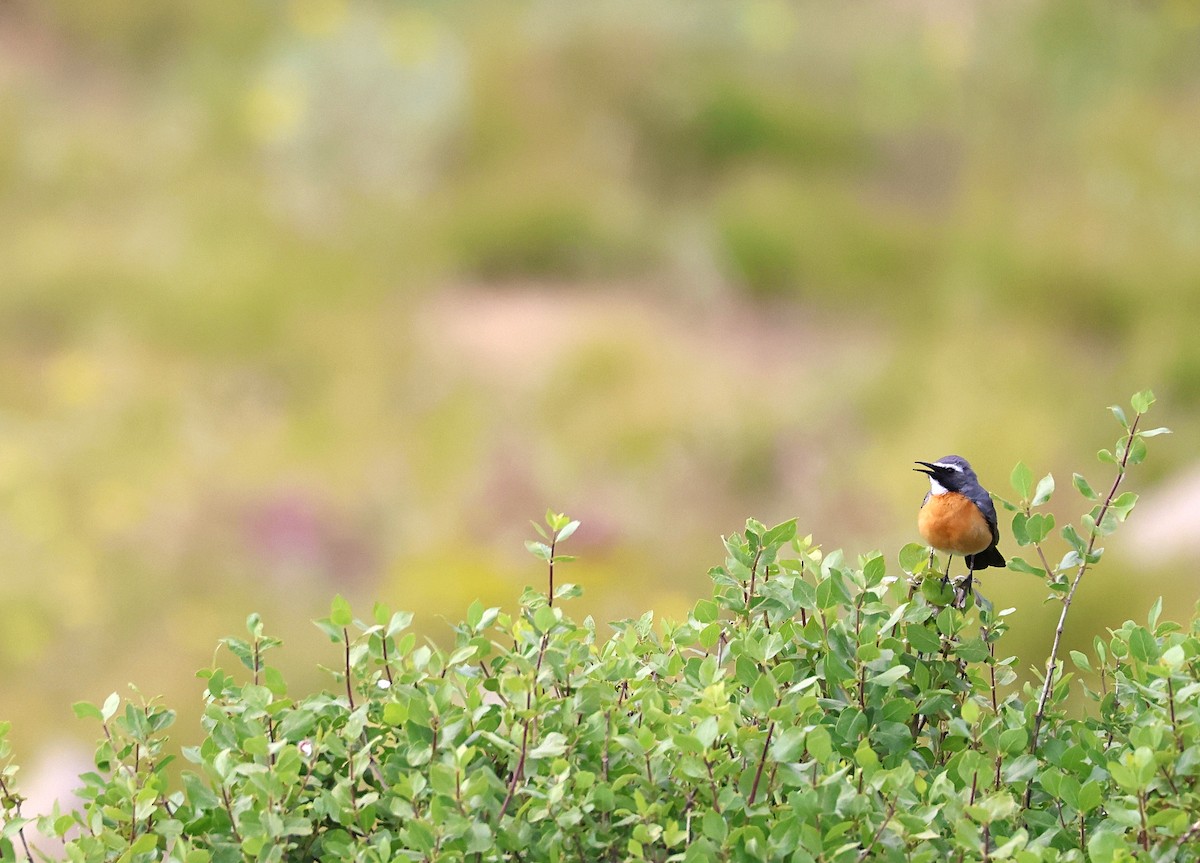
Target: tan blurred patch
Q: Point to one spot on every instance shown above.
(1163, 527)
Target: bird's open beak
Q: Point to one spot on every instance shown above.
(927, 470)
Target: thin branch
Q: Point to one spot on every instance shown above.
(520, 768)
(1052, 662)
(387, 663)
(763, 758)
(17, 809)
(866, 852)
(349, 687)
(1192, 833)
(550, 595)
(229, 809)
(1042, 554)
(1171, 704)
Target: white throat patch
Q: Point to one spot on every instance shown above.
(936, 487)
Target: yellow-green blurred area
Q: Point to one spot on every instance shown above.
(315, 297)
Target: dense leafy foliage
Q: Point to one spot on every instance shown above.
(812, 708)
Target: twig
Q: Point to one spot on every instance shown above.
(349, 687)
(1052, 662)
(1193, 831)
(550, 595)
(229, 809)
(753, 575)
(387, 663)
(866, 852)
(762, 759)
(516, 776)
(1171, 704)
(520, 768)
(17, 809)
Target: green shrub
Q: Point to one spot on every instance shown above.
(812, 708)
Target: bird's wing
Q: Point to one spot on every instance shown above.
(983, 500)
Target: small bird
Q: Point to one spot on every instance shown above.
(957, 517)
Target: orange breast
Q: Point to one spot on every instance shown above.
(953, 525)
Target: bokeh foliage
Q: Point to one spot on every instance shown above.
(312, 295)
(811, 708)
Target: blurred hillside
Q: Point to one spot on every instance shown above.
(309, 297)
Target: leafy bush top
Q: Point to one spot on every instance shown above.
(812, 708)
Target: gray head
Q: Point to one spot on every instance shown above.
(949, 473)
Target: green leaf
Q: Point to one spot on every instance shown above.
(1090, 795)
(714, 826)
(1013, 741)
(1142, 645)
(254, 624)
(789, 745)
(1081, 661)
(1081, 485)
(1142, 401)
(380, 613)
(889, 677)
(474, 614)
(568, 530)
(1006, 504)
(1020, 528)
(1155, 612)
(819, 743)
(1045, 488)
(566, 590)
(1123, 505)
(780, 533)
(556, 521)
(997, 807)
(706, 611)
(551, 746)
(87, 710)
(937, 592)
(538, 549)
(339, 612)
(913, 557)
(1104, 844)
(1145, 765)
(109, 709)
(145, 842)
(1119, 413)
(1039, 526)
(922, 639)
(827, 594)
(1106, 457)
(395, 713)
(1071, 535)
(399, 622)
(544, 618)
(874, 570)
(763, 692)
(973, 650)
(479, 838)
(1155, 432)
(1019, 564)
(1022, 479)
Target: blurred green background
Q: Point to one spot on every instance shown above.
(314, 297)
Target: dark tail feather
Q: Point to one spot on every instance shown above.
(986, 558)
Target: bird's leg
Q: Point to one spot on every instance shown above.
(946, 575)
(966, 586)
